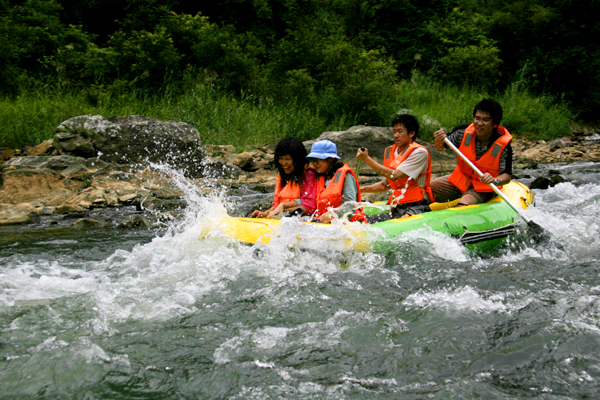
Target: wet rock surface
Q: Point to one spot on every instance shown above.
(131, 139)
(92, 164)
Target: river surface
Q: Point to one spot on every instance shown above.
(160, 314)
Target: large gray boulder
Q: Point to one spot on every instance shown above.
(131, 140)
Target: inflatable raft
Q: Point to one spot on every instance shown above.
(480, 227)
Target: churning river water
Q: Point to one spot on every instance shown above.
(145, 314)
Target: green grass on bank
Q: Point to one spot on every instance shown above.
(224, 119)
(220, 118)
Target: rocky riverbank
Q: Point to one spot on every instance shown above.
(95, 162)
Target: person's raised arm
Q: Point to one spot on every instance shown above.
(391, 174)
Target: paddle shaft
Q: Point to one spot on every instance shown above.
(494, 187)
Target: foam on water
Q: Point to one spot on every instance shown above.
(464, 298)
(572, 215)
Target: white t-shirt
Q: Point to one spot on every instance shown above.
(415, 164)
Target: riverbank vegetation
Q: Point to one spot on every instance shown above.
(250, 72)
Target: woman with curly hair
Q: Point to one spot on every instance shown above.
(295, 191)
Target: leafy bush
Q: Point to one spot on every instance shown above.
(150, 57)
(318, 66)
(30, 34)
(466, 54)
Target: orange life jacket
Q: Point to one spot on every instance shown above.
(463, 176)
(332, 195)
(413, 192)
(291, 191)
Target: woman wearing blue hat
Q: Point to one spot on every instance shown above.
(338, 191)
(295, 190)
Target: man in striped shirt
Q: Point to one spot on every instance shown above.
(487, 145)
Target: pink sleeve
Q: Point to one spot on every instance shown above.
(309, 191)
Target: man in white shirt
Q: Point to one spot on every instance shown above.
(407, 172)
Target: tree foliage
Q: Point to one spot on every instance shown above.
(553, 45)
(340, 55)
(465, 53)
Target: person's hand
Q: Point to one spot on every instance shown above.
(362, 154)
(259, 214)
(439, 135)
(326, 217)
(487, 178)
(277, 210)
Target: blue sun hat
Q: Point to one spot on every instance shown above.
(323, 149)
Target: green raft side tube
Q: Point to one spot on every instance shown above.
(480, 227)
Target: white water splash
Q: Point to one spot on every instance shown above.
(402, 191)
(463, 298)
(570, 214)
(169, 276)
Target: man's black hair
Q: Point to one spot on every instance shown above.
(293, 147)
(410, 123)
(491, 107)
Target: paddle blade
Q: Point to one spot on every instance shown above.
(540, 235)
